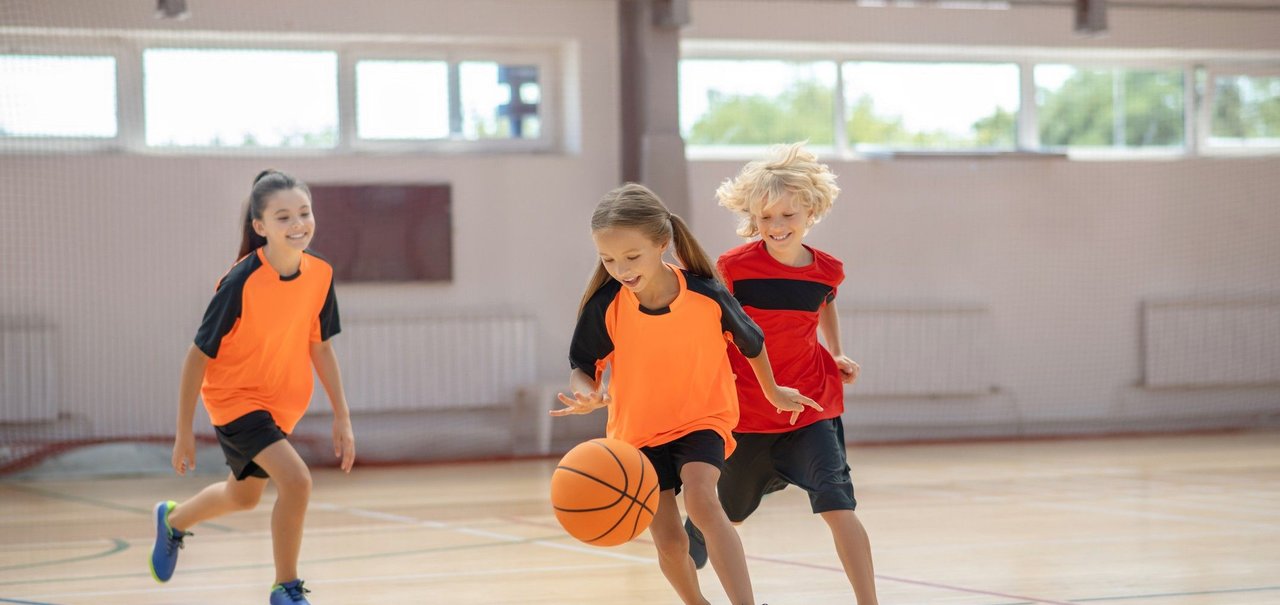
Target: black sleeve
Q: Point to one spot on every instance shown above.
(747, 336)
(330, 323)
(221, 315)
(591, 341)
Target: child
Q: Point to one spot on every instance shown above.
(789, 289)
(662, 329)
(269, 322)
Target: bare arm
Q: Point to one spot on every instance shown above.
(829, 326)
(586, 398)
(326, 364)
(184, 441)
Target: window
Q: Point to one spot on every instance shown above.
(1109, 107)
(931, 105)
(240, 98)
(499, 101)
(57, 96)
(402, 100)
(1245, 111)
(750, 102)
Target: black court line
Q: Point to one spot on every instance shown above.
(403, 553)
(101, 503)
(117, 546)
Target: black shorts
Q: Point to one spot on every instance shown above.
(811, 457)
(244, 438)
(699, 446)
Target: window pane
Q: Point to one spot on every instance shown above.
(725, 102)
(241, 98)
(57, 96)
(402, 99)
(1246, 111)
(1109, 107)
(931, 105)
(499, 101)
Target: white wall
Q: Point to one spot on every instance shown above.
(121, 251)
(1062, 253)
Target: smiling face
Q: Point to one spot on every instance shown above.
(783, 225)
(629, 256)
(286, 221)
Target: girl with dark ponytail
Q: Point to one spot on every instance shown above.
(269, 324)
(662, 329)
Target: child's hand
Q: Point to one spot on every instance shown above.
(787, 399)
(849, 369)
(580, 403)
(344, 442)
(184, 452)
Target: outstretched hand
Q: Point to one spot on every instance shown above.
(581, 403)
(787, 399)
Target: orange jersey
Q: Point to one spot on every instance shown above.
(258, 332)
(670, 375)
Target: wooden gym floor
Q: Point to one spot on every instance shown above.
(1169, 520)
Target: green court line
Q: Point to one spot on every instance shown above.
(402, 553)
(118, 545)
(4, 600)
(100, 503)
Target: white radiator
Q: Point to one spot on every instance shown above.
(919, 352)
(1211, 343)
(28, 374)
(434, 363)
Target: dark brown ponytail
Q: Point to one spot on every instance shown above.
(266, 184)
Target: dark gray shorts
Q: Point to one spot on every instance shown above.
(699, 446)
(244, 438)
(811, 457)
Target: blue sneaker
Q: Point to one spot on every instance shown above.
(697, 544)
(289, 593)
(164, 555)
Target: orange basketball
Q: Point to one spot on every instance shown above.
(605, 492)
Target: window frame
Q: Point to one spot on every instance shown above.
(551, 56)
(1204, 111)
(1188, 62)
(124, 75)
(543, 57)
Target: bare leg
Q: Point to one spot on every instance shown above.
(216, 500)
(293, 492)
(854, 548)
(724, 548)
(668, 536)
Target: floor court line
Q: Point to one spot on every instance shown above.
(330, 581)
(99, 503)
(840, 570)
(117, 547)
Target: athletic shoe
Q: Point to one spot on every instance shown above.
(164, 554)
(697, 544)
(289, 593)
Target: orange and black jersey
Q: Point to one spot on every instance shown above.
(258, 332)
(786, 303)
(670, 373)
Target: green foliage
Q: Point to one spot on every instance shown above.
(803, 111)
(1247, 108)
(1082, 112)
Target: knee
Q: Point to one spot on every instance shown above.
(296, 483)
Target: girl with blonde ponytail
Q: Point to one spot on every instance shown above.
(662, 330)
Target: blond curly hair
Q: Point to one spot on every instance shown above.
(788, 170)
